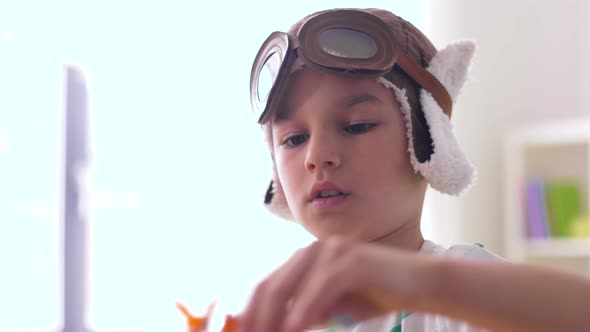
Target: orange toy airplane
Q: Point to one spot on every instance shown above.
(201, 323)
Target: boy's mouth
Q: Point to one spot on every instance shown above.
(329, 193)
(329, 199)
(325, 190)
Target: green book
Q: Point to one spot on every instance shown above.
(563, 205)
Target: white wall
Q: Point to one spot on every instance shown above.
(531, 65)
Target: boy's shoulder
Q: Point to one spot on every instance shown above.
(474, 251)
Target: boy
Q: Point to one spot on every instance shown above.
(356, 111)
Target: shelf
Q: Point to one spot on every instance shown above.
(558, 247)
(554, 151)
(569, 131)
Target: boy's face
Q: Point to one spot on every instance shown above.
(348, 135)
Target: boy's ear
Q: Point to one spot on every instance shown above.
(451, 65)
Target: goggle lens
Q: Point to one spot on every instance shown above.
(348, 43)
(267, 76)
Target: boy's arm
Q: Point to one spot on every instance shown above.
(508, 297)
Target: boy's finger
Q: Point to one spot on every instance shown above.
(267, 307)
(317, 298)
(339, 284)
(337, 279)
(349, 308)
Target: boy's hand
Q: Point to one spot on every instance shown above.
(332, 277)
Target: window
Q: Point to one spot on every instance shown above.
(178, 165)
(29, 85)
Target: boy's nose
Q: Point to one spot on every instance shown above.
(321, 155)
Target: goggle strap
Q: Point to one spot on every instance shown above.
(427, 81)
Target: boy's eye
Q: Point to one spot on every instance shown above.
(295, 140)
(359, 128)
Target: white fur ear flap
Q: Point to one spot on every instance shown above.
(274, 197)
(448, 170)
(276, 203)
(451, 65)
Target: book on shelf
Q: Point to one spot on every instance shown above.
(536, 211)
(563, 205)
(552, 208)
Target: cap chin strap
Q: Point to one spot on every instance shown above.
(428, 82)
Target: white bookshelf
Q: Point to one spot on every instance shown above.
(551, 150)
(557, 247)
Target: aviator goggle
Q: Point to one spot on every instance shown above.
(344, 42)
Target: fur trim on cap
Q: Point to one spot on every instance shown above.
(448, 170)
(274, 198)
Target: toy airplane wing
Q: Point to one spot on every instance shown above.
(197, 323)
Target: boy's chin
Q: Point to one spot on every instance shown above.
(325, 226)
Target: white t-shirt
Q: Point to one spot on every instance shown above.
(418, 322)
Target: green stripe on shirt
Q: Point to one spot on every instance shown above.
(399, 327)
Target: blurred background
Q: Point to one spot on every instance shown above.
(179, 169)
